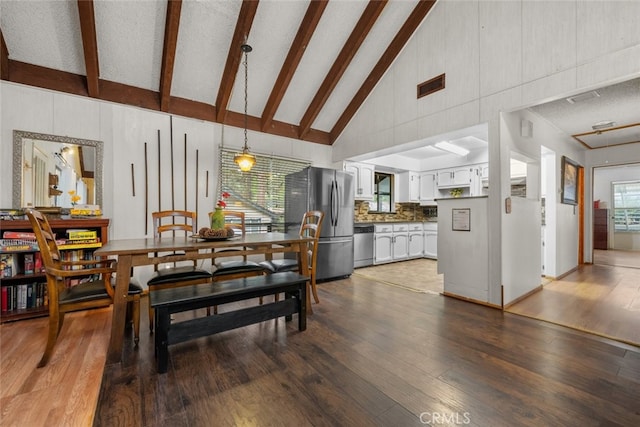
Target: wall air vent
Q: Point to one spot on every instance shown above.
(431, 86)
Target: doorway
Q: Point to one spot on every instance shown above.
(616, 218)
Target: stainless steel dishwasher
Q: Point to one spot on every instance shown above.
(362, 245)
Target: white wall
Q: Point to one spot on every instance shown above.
(521, 228)
(549, 179)
(604, 176)
(497, 58)
(124, 131)
(463, 255)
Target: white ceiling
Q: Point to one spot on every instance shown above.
(619, 103)
(130, 39)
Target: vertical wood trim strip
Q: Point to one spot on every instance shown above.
(173, 190)
(133, 181)
(159, 176)
(146, 191)
(185, 172)
(197, 167)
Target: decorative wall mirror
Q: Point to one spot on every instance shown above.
(55, 171)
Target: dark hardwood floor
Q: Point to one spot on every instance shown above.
(374, 354)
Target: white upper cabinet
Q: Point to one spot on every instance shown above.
(484, 173)
(480, 180)
(457, 177)
(408, 187)
(445, 179)
(427, 186)
(364, 174)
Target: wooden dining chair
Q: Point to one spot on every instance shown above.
(226, 269)
(311, 226)
(94, 290)
(172, 223)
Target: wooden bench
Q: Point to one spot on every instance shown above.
(175, 300)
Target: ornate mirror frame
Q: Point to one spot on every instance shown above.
(19, 136)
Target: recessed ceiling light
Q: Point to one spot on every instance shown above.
(451, 148)
(605, 124)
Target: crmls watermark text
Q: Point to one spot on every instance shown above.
(435, 418)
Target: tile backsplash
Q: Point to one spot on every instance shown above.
(404, 212)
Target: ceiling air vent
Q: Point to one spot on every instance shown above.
(583, 97)
(430, 86)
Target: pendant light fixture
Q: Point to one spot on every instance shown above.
(245, 160)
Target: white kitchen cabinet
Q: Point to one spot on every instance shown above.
(408, 187)
(383, 243)
(391, 242)
(400, 242)
(364, 175)
(416, 240)
(431, 240)
(454, 178)
(462, 176)
(445, 178)
(479, 180)
(427, 187)
(484, 172)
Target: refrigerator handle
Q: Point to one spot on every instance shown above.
(333, 202)
(337, 203)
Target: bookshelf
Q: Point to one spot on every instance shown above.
(22, 283)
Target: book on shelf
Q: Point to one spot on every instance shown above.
(77, 234)
(24, 235)
(38, 265)
(10, 214)
(70, 244)
(29, 263)
(8, 265)
(86, 210)
(17, 245)
(23, 296)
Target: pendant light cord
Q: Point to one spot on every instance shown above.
(246, 84)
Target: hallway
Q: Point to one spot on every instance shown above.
(601, 298)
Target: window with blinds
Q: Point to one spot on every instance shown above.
(258, 193)
(626, 206)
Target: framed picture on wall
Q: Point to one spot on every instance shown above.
(569, 181)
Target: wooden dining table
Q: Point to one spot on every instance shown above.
(137, 252)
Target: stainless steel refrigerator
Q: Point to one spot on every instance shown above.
(330, 191)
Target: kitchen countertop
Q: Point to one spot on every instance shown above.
(393, 222)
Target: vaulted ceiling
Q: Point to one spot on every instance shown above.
(312, 66)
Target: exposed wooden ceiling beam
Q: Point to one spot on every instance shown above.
(305, 31)
(47, 78)
(4, 58)
(171, 28)
(277, 128)
(408, 28)
(351, 46)
(90, 46)
(240, 35)
(61, 81)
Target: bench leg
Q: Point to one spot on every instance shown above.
(162, 339)
(302, 307)
(288, 295)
